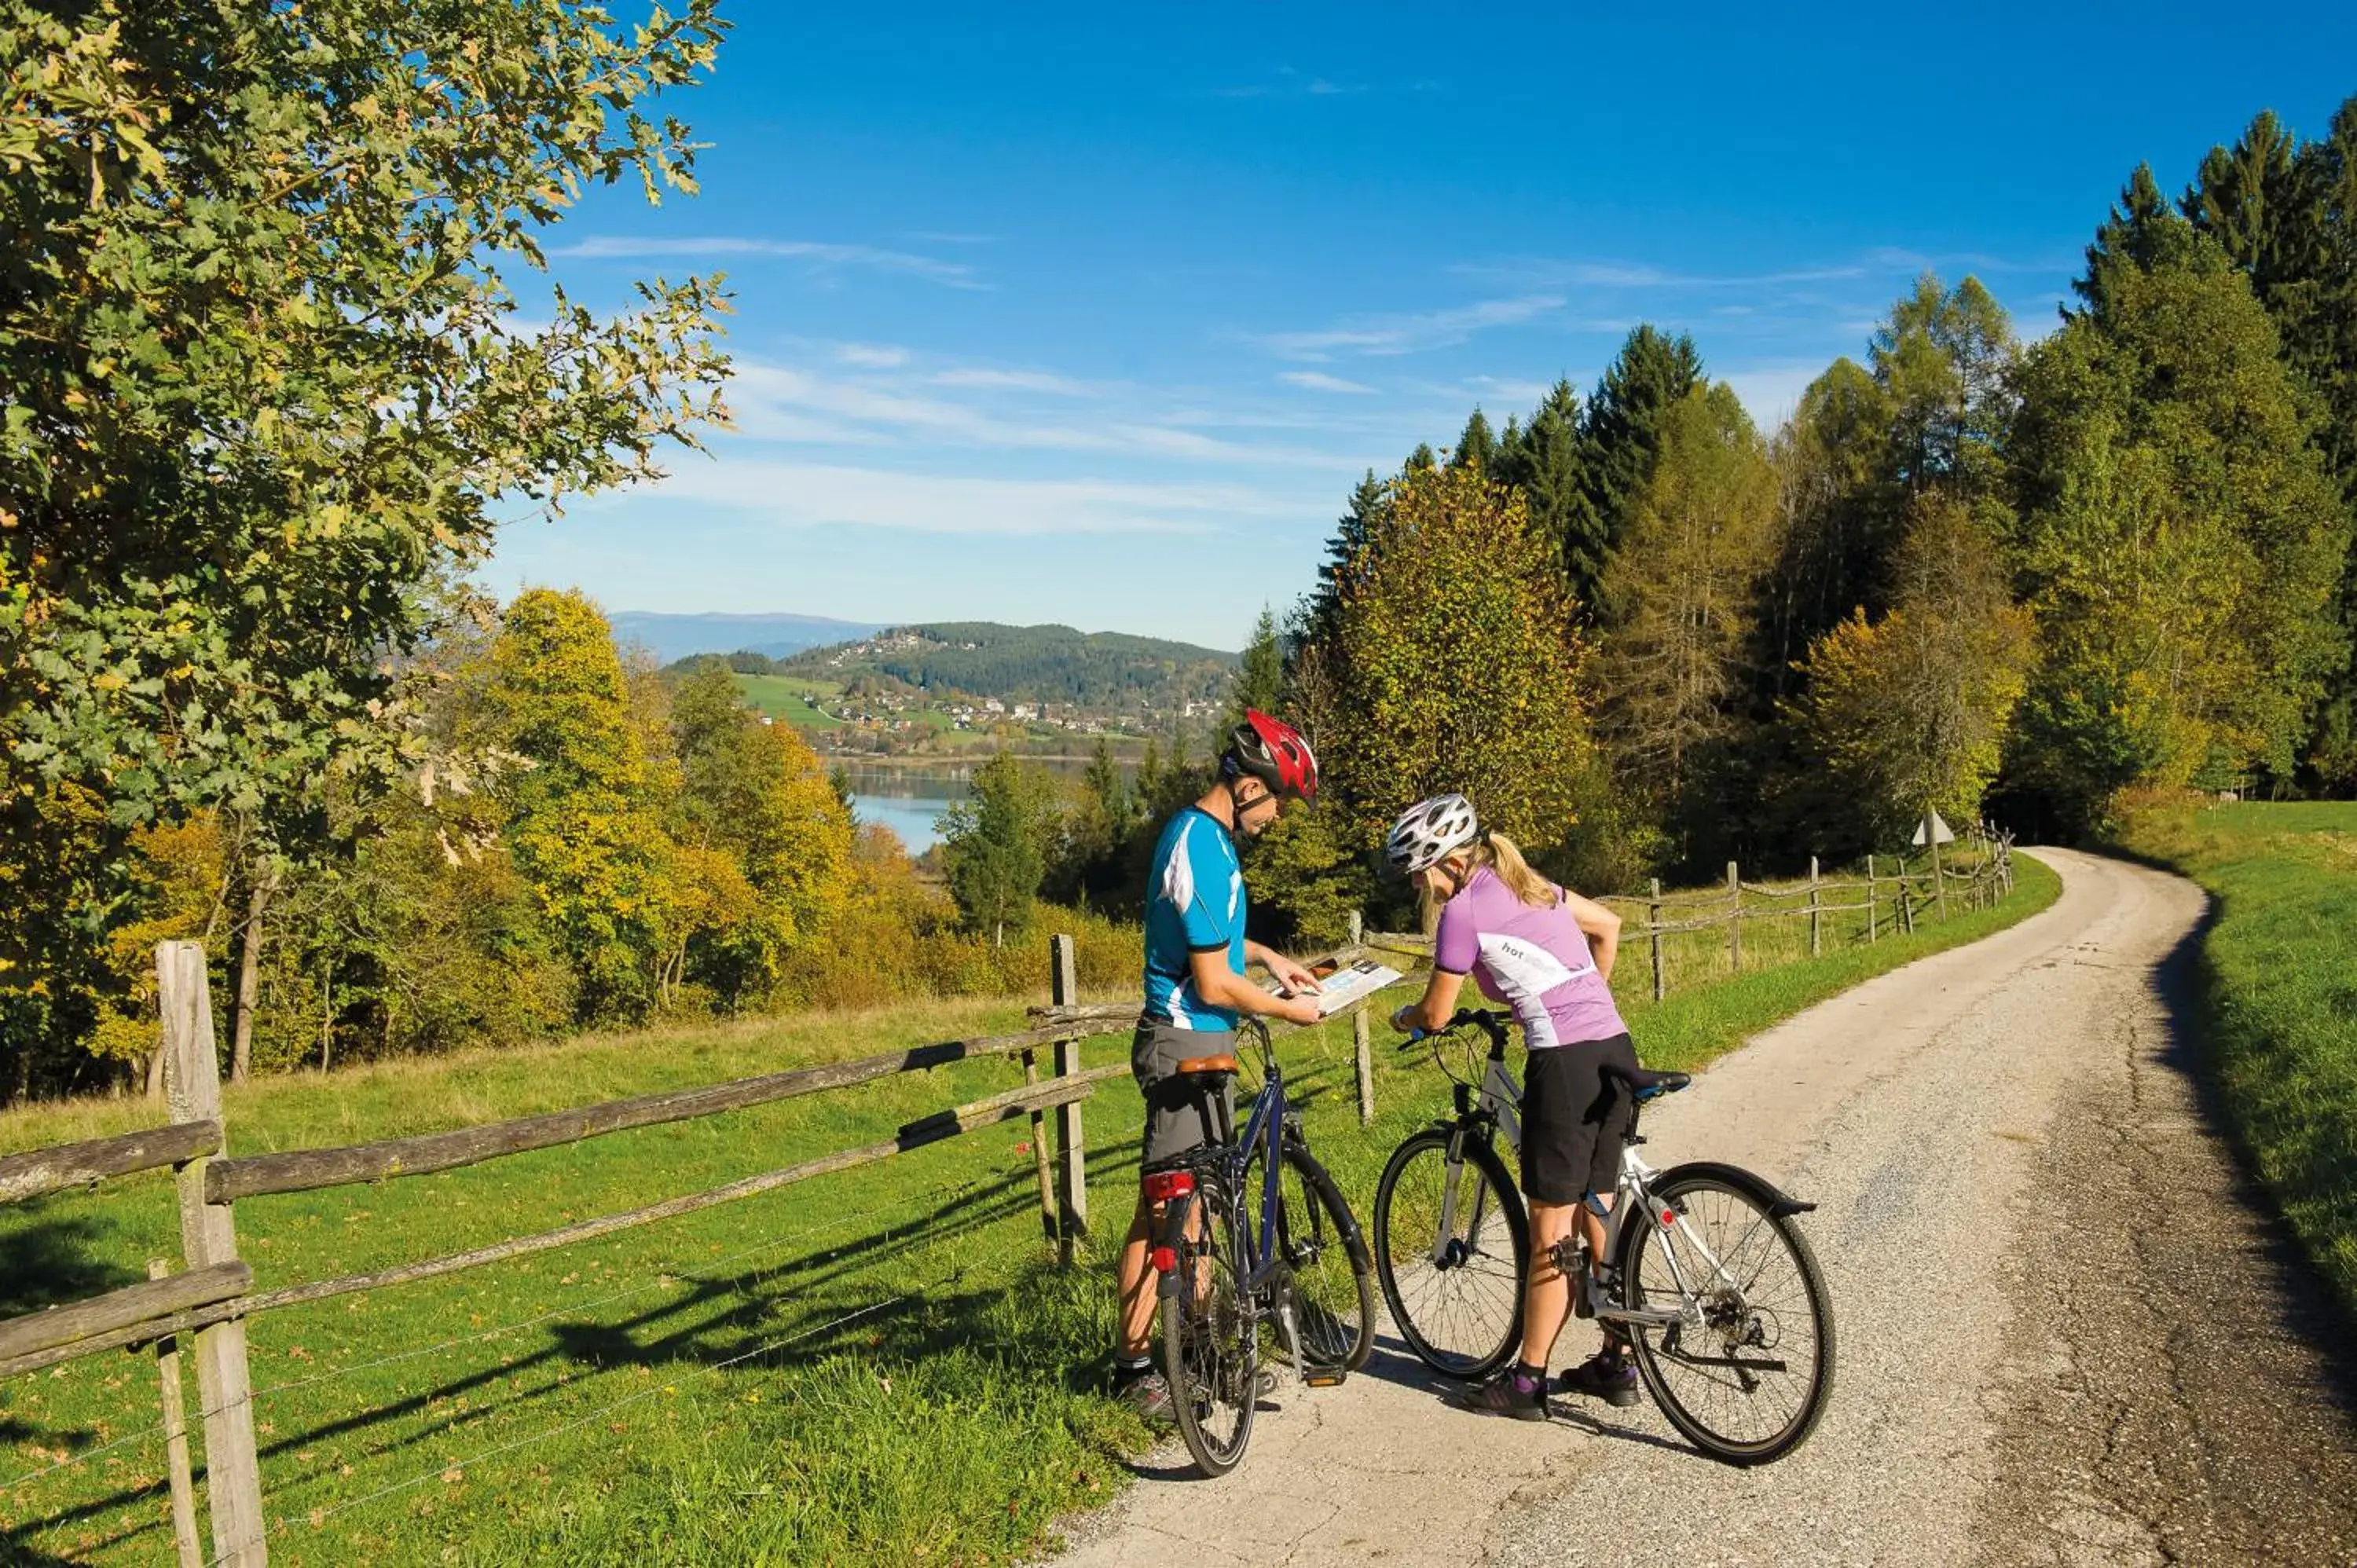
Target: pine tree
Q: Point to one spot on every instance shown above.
(1260, 678)
(996, 844)
(1342, 561)
(1542, 460)
(1619, 438)
(1477, 447)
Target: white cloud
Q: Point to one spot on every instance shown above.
(1319, 381)
(874, 356)
(822, 255)
(789, 403)
(1542, 272)
(815, 494)
(985, 380)
(1408, 334)
(1771, 392)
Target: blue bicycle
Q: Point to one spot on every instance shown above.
(1303, 1276)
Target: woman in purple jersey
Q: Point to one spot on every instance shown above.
(1546, 953)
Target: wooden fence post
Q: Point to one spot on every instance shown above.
(1815, 940)
(1065, 992)
(175, 1442)
(1048, 1225)
(1653, 925)
(207, 1236)
(1872, 933)
(1361, 1042)
(1734, 920)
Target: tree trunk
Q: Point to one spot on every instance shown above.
(249, 979)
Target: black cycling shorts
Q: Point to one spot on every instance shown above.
(1575, 1120)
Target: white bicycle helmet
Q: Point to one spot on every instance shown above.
(1428, 831)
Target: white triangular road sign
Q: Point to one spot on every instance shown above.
(1931, 829)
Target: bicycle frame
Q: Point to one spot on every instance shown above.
(1267, 1270)
(1497, 1102)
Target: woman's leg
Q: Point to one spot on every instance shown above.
(1546, 1296)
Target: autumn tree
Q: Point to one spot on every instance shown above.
(266, 374)
(1910, 712)
(1620, 434)
(585, 819)
(1460, 668)
(1679, 599)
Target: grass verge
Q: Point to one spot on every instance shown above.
(2279, 972)
(882, 1366)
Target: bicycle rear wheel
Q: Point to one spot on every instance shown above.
(1747, 1382)
(1334, 1276)
(1452, 1245)
(1209, 1353)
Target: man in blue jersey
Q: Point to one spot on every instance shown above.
(1195, 986)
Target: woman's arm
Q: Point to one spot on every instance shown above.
(1438, 1006)
(1600, 925)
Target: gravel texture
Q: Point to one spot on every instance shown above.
(2068, 1331)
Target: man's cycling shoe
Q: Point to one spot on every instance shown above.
(1612, 1379)
(1149, 1396)
(1513, 1392)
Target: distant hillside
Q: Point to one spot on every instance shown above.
(674, 637)
(1103, 670)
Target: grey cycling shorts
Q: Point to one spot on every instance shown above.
(1178, 1111)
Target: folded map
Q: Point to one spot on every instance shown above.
(1339, 986)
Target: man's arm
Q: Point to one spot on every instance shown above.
(1288, 973)
(1221, 986)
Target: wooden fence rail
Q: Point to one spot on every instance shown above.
(212, 1294)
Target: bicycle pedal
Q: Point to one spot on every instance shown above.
(1323, 1379)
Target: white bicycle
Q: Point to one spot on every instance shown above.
(1709, 1275)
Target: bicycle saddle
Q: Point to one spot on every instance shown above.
(1219, 1066)
(1644, 1085)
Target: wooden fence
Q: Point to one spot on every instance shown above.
(209, 1298)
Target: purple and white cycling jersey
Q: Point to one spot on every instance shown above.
(1534, 960)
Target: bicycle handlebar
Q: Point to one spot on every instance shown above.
(1491, 1021)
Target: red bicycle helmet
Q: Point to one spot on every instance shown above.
(1273, 752)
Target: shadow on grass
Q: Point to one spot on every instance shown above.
(2299, 1306)
(50, 1263)
(777, 1312)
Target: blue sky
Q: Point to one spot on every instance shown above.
(1094, 315)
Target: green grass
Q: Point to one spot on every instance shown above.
(950, 1423)
(783, 697)
(2280, 976)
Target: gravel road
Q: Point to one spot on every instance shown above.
(2068, 1331)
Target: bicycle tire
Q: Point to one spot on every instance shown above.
(1777, 1303)
(1209, 1345)
(1333, 1273)
(1461, 1315)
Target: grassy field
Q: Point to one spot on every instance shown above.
(2280, 971)
(783, 697)
(882, 1366)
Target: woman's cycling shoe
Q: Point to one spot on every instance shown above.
(1513, 1392)
(1612, 1379)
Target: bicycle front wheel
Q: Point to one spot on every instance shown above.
(1333, 1278)
(1746, 1372)
(1452, 1247)
(1210, 1352)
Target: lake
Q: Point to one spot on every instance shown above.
(907, 800)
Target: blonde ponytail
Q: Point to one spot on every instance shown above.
(1504, 859)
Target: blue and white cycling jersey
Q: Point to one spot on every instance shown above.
(1194, 903)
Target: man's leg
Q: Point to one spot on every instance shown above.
(1137, 1297)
